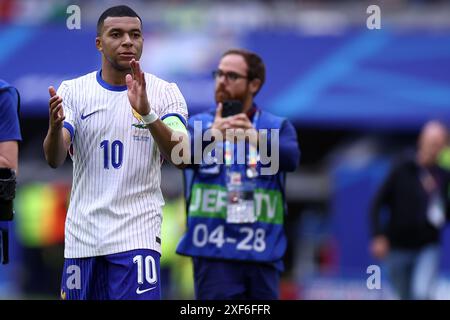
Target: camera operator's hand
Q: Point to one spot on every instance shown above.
(220, 124)
(240, 121)
(243, 128)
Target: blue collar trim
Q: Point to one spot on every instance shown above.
(108, 86)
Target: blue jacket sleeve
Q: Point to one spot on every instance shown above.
(289, 147)
(9, 124)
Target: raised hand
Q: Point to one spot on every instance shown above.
(220, 123)
(241, 121)
(56, 113)
(137, 93)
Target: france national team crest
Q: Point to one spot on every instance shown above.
(140, 124)
(139, 135)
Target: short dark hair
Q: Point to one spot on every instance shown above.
(255, 64)
(117, 11)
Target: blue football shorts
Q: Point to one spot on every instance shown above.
(130, 275)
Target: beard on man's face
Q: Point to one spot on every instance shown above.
(222, 95)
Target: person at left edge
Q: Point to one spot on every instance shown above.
(114, 122)
(9, 153)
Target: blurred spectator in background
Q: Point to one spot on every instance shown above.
(236, 211)
(415, 194)
(9, 154)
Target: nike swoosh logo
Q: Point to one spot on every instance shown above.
(139, 291)
(88, 115)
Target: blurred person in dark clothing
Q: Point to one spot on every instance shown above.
(416, 196)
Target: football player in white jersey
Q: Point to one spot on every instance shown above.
(115, 123)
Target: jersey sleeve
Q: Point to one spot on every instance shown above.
(174, 104)
(69, 112)
(9, 124)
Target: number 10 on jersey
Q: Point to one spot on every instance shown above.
(115, 155)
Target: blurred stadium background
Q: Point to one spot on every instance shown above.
(356, 96)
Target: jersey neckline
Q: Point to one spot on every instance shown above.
(108, 86)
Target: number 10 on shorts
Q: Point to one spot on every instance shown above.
(146, 266)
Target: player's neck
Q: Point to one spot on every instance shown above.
(113, 76)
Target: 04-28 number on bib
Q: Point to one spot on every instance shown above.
(252, 239)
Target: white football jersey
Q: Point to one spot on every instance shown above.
(115, 202)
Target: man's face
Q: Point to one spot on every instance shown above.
(231, 87)
(120, 41)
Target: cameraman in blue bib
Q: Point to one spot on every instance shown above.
(235, 187)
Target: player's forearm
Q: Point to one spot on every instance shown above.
(54, 148)
(9, 153)
(167, 140)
